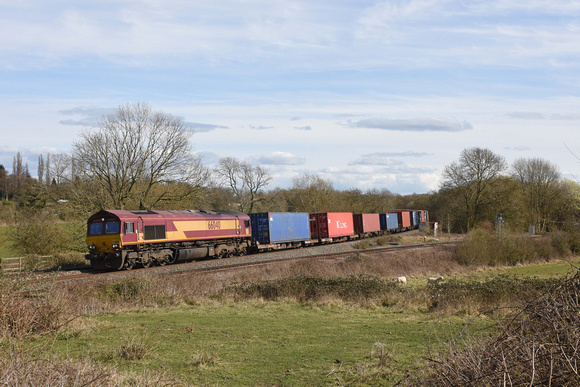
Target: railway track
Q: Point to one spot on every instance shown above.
(255, 260)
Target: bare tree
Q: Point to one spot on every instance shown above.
(539, 181)
(17, 171)
(47, 167)
(137, 156)
(312, 193)
(60, 168)
(471, 177)
(40, 169)
(244, 180)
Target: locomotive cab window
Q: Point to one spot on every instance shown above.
(247, 223)
(95, 228)
(129, 228)
(112, 227)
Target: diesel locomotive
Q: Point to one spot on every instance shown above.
(119, 239)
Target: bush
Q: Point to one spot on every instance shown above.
(68, 260)
(22, 315)
(499, 291)
(482, 247)
(309, 288)
(537, 345)
(40, 234)
(127, 289)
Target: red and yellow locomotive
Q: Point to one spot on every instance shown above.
(119, 239)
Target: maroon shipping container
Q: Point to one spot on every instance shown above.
(331, 225)
(404, 218)
(366, 223)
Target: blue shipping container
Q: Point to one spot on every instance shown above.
(280, 227)
(389, 221)
(415, 218)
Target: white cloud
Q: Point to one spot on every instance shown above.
(261, 127)
(385, 158)
(413, 125)
(198, 127)
(526, 115)
(281, 158)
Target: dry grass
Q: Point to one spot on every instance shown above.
(537, 344)
(25, 366)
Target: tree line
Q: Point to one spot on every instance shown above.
(138, 158)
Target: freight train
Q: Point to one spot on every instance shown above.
(120, 239)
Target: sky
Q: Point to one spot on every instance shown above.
(367, 94)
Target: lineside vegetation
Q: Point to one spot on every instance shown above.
(362, 284)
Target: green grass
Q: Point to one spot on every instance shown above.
(559, 268)
(257, 343)
(6, 249)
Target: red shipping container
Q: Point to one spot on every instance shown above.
(331, 225)
(366, 223)
(404, 218)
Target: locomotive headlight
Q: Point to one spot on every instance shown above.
(116, 246)
(92, 247)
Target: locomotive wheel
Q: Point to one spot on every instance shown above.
(129, 265)
(170, 258)
(146, 262)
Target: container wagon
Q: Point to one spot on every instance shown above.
(389, 222)
(329, 226)
(272, 230)
(415, 218)
(404, 219)
(367, 225)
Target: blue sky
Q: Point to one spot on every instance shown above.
(368, 94)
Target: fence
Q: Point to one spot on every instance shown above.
(18, 264)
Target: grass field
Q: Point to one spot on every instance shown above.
(197, 329)
(276, 343)
(6, 249)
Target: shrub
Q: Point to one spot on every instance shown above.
(40, 234)
(23, 315)
(68, 260)
(480, 247)
(499, 291)
(127, 289)
(536, 345)
(363, 244)
(310, 288)
(133, 349)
